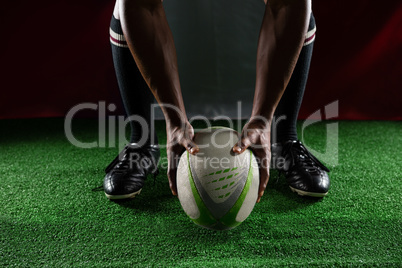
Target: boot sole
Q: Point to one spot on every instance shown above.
(303, 193)
(123, 196)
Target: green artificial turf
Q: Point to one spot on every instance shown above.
(50, 216)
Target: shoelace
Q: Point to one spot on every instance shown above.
(299, 153)
(122, 164)
(124, 160)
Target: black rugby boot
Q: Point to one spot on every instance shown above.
(305, 174)
(126, 175)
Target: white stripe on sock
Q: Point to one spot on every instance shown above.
(117, 39)
(310, 37)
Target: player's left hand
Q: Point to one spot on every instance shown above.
(256, 135)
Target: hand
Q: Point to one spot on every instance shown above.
(256, 135)
(179, 139)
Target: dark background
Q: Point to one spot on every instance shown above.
(56, 54)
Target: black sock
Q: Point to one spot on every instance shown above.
(137, 98)
(284, 124)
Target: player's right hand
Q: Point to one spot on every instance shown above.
(179, 139)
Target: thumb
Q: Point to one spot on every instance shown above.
(190, 146)
(242, 145)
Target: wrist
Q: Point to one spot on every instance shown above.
(263, 122)
(267, 113)
(174, 115)
(263, 117)
(175, 122)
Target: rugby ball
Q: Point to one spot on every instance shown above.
(217, 189)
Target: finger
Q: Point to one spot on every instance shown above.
(263, 184)
(188, 141)
(264, 175)
(172, 169)
(242, 145)
(190, 146)
(172, 181)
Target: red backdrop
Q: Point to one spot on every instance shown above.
(56, 54)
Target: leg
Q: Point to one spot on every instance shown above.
(125, 178)
(151, 43)
(136, 96)
(288, 108)
(282, 33)
(280, 45)
(305, 174)
(148, 36)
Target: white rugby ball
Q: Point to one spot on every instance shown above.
(217, 188)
